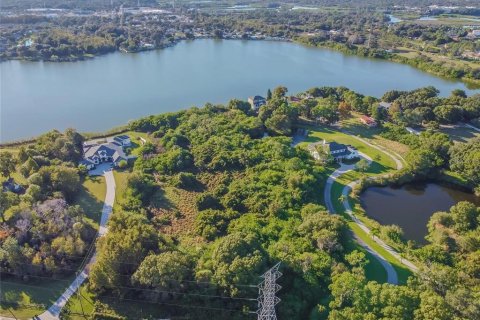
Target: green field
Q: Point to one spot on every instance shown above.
(91, 198)
(24, 300)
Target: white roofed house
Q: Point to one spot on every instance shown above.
(110, 151)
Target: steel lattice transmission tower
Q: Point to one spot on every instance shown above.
(267, 289)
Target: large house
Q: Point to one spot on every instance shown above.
(337, 150)
(110, 151)
(256, 102)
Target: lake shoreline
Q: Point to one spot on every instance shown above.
(338, 47)
(117, 88)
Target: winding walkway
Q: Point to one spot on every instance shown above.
(53, 313)
(392, 276)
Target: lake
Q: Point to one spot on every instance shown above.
(411, 206)
(107, 91)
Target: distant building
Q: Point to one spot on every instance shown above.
(294, 99)
(11, 186)
(412, 131)
(385, 105)
(474, 34)
(256, 102)
(369, 121)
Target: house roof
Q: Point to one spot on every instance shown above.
(109, 149)
(121, 137)
(346, 152)
(294, 99)
(10, 185)
(385, 105)
(256, 98)
(334, 146)
(368, 120)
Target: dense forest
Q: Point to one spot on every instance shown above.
(42, 233)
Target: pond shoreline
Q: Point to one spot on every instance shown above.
(418, 199)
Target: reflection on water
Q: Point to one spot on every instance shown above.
(411, 206)
(98, 94)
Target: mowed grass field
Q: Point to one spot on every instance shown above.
(353, 126)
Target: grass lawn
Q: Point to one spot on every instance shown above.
(80, 304)
(120, 183)
(374, 269)
(354, 126)
(91, 197)
(382, 164)
(32, 298)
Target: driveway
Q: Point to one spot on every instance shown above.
(344, 168)
(104, 169)
(101, 169)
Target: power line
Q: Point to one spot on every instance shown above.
(146, 290)
(143, 301)
(178, 305)
(127, 276)
(267, 298)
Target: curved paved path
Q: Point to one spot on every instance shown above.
(344, 168)
(53, 312)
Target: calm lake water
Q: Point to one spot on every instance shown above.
(410, 207)
(98, 94)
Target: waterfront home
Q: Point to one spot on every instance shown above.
(256, 102)
(110, 151)
(368, 121)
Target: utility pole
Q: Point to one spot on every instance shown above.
(266, 290)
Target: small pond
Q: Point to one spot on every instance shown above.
(411, 206)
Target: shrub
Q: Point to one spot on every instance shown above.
(185, 180)
(207, 201)
(123, 164)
